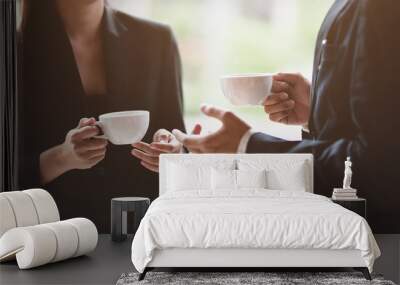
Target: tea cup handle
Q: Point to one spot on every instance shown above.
(100, 127)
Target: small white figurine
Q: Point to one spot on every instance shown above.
(347, 174)
(347, 192)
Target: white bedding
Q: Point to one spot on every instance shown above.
(250, 219)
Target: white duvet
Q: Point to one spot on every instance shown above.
(250, 219)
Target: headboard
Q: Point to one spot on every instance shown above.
(270, 160)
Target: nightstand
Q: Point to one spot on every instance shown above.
(358, 206)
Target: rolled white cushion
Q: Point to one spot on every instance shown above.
(41, 244)
(7, 218)
(23, 208)
(45, 205)
(87, 234)
(33, 246)
(67, 240)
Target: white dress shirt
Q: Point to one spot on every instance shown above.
(244, 141)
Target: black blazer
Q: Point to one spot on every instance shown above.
(355, 107)
(143, 73)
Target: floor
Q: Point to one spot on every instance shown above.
(103, 266)
(110, 260)
(389, 262)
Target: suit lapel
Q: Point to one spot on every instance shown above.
(323, 39)
(323, 36)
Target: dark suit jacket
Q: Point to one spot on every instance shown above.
(143, 73)
(355, 107)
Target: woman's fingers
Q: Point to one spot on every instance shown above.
(145, 157)
(162, 135)
(280, 107)
(98, 157)
(162, 147)
(92, 144)
(149, 157)
(145, 147)
(83, 133)
(86, 122)
(94, 160)
(149, 166)
(91, 154)
(189, 141)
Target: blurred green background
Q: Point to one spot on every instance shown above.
(220, 37)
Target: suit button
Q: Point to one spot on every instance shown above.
(324, 42)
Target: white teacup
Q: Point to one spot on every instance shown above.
(247, 89)
(124, 127)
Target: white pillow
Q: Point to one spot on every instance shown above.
(182, 177)
(291, 179)
(282, 174)
(223, 179)
(251, 178)
(187, 175)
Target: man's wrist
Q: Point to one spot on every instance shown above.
(244, 141)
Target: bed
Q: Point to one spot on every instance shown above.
(247, 211)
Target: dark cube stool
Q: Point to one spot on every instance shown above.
(119, 208)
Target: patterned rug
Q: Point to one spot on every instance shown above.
(253, 278)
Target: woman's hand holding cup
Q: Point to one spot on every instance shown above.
(82, 150)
